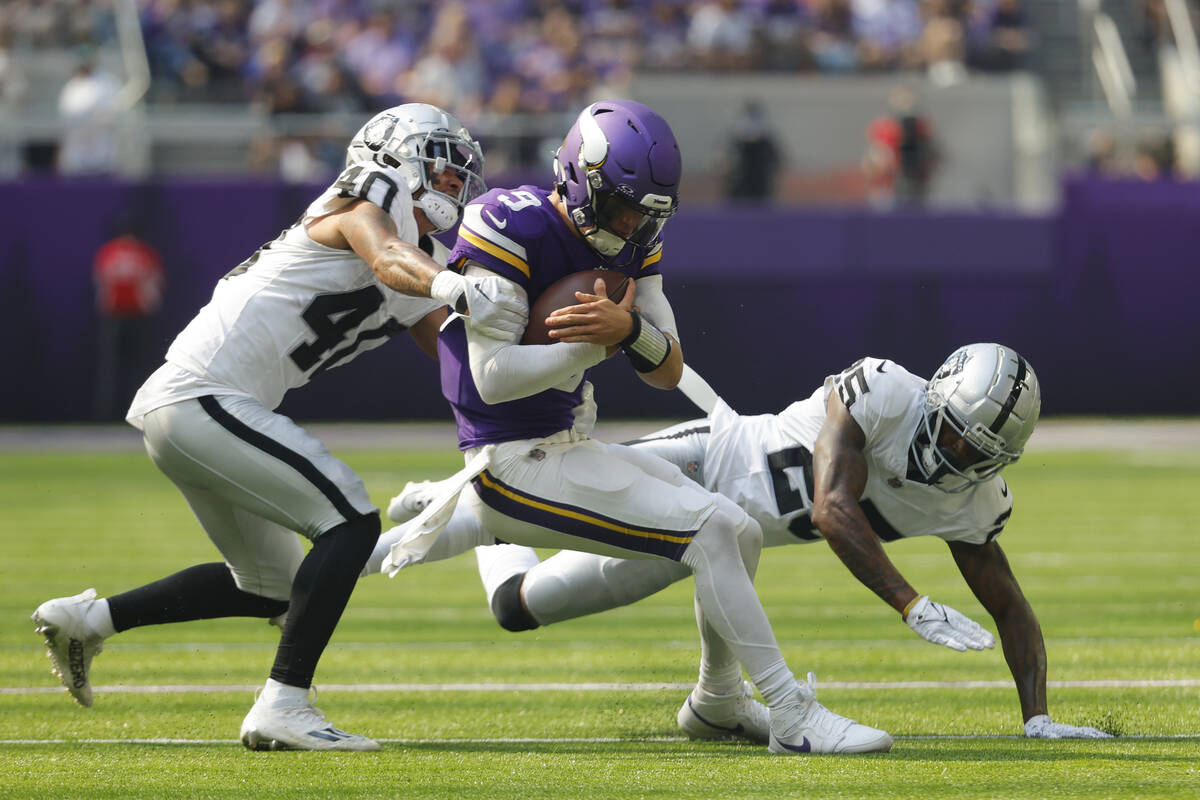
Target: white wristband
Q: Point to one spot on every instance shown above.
(450, 288)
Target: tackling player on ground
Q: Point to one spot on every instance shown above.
(358, 268)
(537, 479)
(875, 454)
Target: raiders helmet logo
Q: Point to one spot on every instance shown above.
(954, 364)
(378, 131)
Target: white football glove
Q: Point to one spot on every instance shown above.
(1042, 727)
(494, 306)
(941, 624)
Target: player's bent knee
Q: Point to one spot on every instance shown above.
(720, 537)
(508, 609)
(272, 589)
(358, 535)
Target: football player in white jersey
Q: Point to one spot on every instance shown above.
(875, 454)
(359, 267)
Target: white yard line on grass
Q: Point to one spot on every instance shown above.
(599, 687)
(562, 739)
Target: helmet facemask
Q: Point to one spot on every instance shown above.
(610, 223)
(939, 467)
(437, 152)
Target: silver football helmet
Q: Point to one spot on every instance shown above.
(989, 396)
(421, 141)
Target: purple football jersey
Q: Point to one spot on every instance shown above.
(518, 234)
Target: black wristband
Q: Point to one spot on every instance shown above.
(646, 346)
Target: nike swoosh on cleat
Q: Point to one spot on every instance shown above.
(804, 748)
(739, 729)
(329, 735)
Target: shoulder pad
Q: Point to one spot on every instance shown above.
(376, 183)
(875, 390)
(650, 262)
(496, 233)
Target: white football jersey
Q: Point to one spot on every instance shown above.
(764, 464)
(295, 308)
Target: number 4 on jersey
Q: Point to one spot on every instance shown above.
(332, 317)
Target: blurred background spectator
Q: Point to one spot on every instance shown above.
(1155, 159)
(129, 281)
(755, 159)
(901, 154)
(87, 107)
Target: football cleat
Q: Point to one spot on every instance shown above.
(412, 500)
(71, 644)
(280, 726)
(740, 717)
(802, 725)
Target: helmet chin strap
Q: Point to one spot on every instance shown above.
(441, 211)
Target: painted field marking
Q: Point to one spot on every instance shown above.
(598, 687)
(562, 739)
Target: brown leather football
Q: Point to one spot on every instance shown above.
(561, 294)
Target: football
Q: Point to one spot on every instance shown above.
(561, 294)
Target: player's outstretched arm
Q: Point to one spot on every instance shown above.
(986, 570)
(492, 304)
(839, 479)
(367, 229)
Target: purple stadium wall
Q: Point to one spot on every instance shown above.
(1101, 297)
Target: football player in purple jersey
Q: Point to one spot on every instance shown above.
(537, 479)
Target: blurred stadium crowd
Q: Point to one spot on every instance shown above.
(514, 69)
(512, 56)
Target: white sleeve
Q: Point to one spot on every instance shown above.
(654, 304)
(504, 370)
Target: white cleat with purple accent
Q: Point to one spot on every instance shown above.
(740, 717)
(302, 726)
(802, 725)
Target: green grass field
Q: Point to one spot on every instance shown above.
(1104, 544)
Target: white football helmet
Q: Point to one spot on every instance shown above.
(988, 395)
(421, 141)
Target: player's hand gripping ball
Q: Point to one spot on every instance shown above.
(561, 294)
